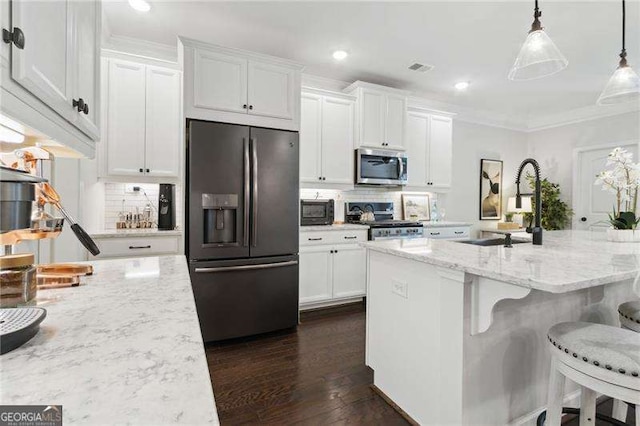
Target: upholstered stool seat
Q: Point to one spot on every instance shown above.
(599, 358)
(630, 315)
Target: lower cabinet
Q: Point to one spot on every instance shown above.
(331, 273)
(112, 247)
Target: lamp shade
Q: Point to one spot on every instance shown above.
(538, 57)
(623, 86)
(526, 205)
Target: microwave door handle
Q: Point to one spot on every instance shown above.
(400, 168)
(247, 181)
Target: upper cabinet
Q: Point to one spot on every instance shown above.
(143, 120)
(326, 138)
(381, 115)
(235, 86)
(429, 150)
(52, 64)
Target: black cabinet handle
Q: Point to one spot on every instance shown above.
(16, 37)
(458, 232)
(315, 239)
(350, 238)
(141, 170)
(148, 170)
(250, 106)
(319, 178)
(139, 247)
(81, 106)
(324, 178)
(583, 219)
(244, 106)
(434, 233)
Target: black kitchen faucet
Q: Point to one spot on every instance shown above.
(537, 229)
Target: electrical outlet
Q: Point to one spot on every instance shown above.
(131, 188)
(400, 288)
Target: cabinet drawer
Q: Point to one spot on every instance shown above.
(447, 233)
(332, 237)
(137, 246)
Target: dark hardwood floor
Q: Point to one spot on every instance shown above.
(313, 376)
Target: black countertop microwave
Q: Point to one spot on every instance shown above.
(316, 212)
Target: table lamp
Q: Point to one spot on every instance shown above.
(526, 206)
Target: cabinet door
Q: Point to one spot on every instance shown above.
(271, 90)
(315, 274)
(87, 64)
(417, 140)
(163, 136)
(219, 81)
(440, 151)
(310, 137)
(395, 122)
(372, 117)
(43, 67)
(349, 271)
(125, 118)
(337, 140)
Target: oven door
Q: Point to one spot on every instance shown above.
(381, 167)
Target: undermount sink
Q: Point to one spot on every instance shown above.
(491, 242)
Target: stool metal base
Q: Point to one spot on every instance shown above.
(568, 410)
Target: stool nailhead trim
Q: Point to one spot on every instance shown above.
(629, 318)
(585, 359)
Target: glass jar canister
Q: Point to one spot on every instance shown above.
(18, 284)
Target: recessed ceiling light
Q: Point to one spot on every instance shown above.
(340, 55)
(140, 5)
(461, 85)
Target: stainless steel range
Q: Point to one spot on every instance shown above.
(379, 218)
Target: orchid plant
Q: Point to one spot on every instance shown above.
(622, 178)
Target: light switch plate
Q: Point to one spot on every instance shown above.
(400, 288)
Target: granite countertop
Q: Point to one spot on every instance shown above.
(335, 227)
(123, 348)
(127, 233)
(567, 260)
(443, 224)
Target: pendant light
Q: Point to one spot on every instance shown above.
(539, 56)
(624, 84)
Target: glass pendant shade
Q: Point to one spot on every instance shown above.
(623, 86)
(538, 57)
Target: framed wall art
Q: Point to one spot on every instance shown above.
(490, 189)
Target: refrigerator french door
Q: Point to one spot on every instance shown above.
(242, 228)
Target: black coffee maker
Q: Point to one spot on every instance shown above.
(167, 207)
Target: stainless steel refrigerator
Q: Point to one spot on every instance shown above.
(242, 228)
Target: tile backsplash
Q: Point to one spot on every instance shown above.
(360, 194)
(118, 199)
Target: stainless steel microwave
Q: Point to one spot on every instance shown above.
(316, 212)
(381, 167)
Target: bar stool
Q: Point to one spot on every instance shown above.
(630, 315)
(601, 359)
(629, 319)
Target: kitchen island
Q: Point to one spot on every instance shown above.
(124, 347)
(456, 333)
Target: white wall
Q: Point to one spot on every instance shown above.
(471, 143)
(553, 148)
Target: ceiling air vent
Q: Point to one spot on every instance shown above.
(421, 67)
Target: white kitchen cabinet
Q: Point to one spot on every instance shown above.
(212, 68)
(349, 271)
(326, 138)
(440, 151)
(143, 134)
(315, 274)
(87, 64)
(332, 267)
(163, 138)
(152, 245)
(429, 150)
(241, 87)
(52, 77)
(125, 122)
(381, 115)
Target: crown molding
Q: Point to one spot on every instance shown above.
(142, 48)
(579, 115)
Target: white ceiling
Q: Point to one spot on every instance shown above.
(475, 41)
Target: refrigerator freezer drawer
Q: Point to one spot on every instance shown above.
(245, 297)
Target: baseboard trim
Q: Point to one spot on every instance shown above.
(395, 406)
